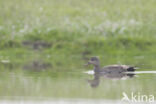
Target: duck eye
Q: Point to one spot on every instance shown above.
(92, 59)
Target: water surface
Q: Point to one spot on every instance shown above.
(39, 80)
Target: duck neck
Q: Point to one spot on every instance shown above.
(96, 68)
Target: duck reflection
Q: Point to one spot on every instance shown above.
(111, 72)
(113, 75)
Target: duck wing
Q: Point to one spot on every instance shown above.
(118, 68)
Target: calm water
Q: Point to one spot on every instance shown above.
(30, 83)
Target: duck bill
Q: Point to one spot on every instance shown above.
(88, 63)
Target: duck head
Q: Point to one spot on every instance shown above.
(94, 61)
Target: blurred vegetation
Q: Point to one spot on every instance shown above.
(76, 29)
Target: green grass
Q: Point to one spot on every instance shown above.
(118, 31)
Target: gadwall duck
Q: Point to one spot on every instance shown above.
(110, 71)
(110, 68)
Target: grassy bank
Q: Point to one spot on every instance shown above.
(119, 29)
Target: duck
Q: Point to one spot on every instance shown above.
(109, 68)
(114, 72)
